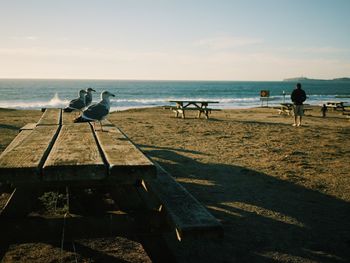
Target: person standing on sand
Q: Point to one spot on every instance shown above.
(324, 110)
(298, 96)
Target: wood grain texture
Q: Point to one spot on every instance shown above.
(106, 123)
(68, 117)
(28, 126)
(127, 163)
(50, 117)
(183, 211)
(74, 156)
(16, 141)
(24, 157)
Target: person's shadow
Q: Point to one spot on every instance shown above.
(265, 219)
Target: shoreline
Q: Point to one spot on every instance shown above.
(118, 109)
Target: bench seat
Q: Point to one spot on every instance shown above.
(28, 126)
(183, 211)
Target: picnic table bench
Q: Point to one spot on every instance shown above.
(347, 113)
(335, 105)
(188, 105)
(56, 152)
(287, 108)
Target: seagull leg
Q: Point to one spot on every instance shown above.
(101, 126)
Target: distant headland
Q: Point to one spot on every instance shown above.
(307, 79)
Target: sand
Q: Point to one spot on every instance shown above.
(282, 193)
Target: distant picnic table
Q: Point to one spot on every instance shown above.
(191, 105)
(335, 105)
(55, 152)
(287, 108)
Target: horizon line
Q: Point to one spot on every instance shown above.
(111, 79)
(173, 80)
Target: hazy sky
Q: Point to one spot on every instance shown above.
(175, 40)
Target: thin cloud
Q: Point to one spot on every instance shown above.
(30, 38)
(83, 53)
(316, 50)
(227, 42)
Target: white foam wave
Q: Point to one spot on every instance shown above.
(127, 103)
(55, 101)
(162, 100)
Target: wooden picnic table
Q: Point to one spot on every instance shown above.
(55, 152)
(190, 105)
(335, 105)
(58, 151)
(287, 108)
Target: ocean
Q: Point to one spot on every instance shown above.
(36, 94)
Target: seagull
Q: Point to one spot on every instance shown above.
(88, 96)
(98, 111)
(77, 104)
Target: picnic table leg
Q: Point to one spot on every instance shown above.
(20, 202)
(4, 246)
(205, 110)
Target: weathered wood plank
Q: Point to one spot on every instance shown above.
(16, 141)
(106, 123)
(50, 117)
(24, 157)
(28, 126)
(183, 211)
(74, 156)
(68, 117)
(127, 163)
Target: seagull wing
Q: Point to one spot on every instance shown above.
(77, 104)
(96, 112)
(88, 99)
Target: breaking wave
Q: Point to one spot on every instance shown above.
(54, 102)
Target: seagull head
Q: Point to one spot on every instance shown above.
(82, 93)
(90, 89)
(106, 94)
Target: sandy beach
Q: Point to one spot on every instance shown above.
(282, 193)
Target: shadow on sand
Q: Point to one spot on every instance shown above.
(6, 126)
(265, 219)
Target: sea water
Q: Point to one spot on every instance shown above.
(36, 94)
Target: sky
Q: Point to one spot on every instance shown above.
(254, 40)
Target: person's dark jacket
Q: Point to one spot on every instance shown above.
(298, 96)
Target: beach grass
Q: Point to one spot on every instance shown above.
(282, 193)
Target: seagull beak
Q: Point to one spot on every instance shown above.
(93, 90)
(112, 95)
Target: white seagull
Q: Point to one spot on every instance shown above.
(88, 96)
(98, 111)
(77, 104)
